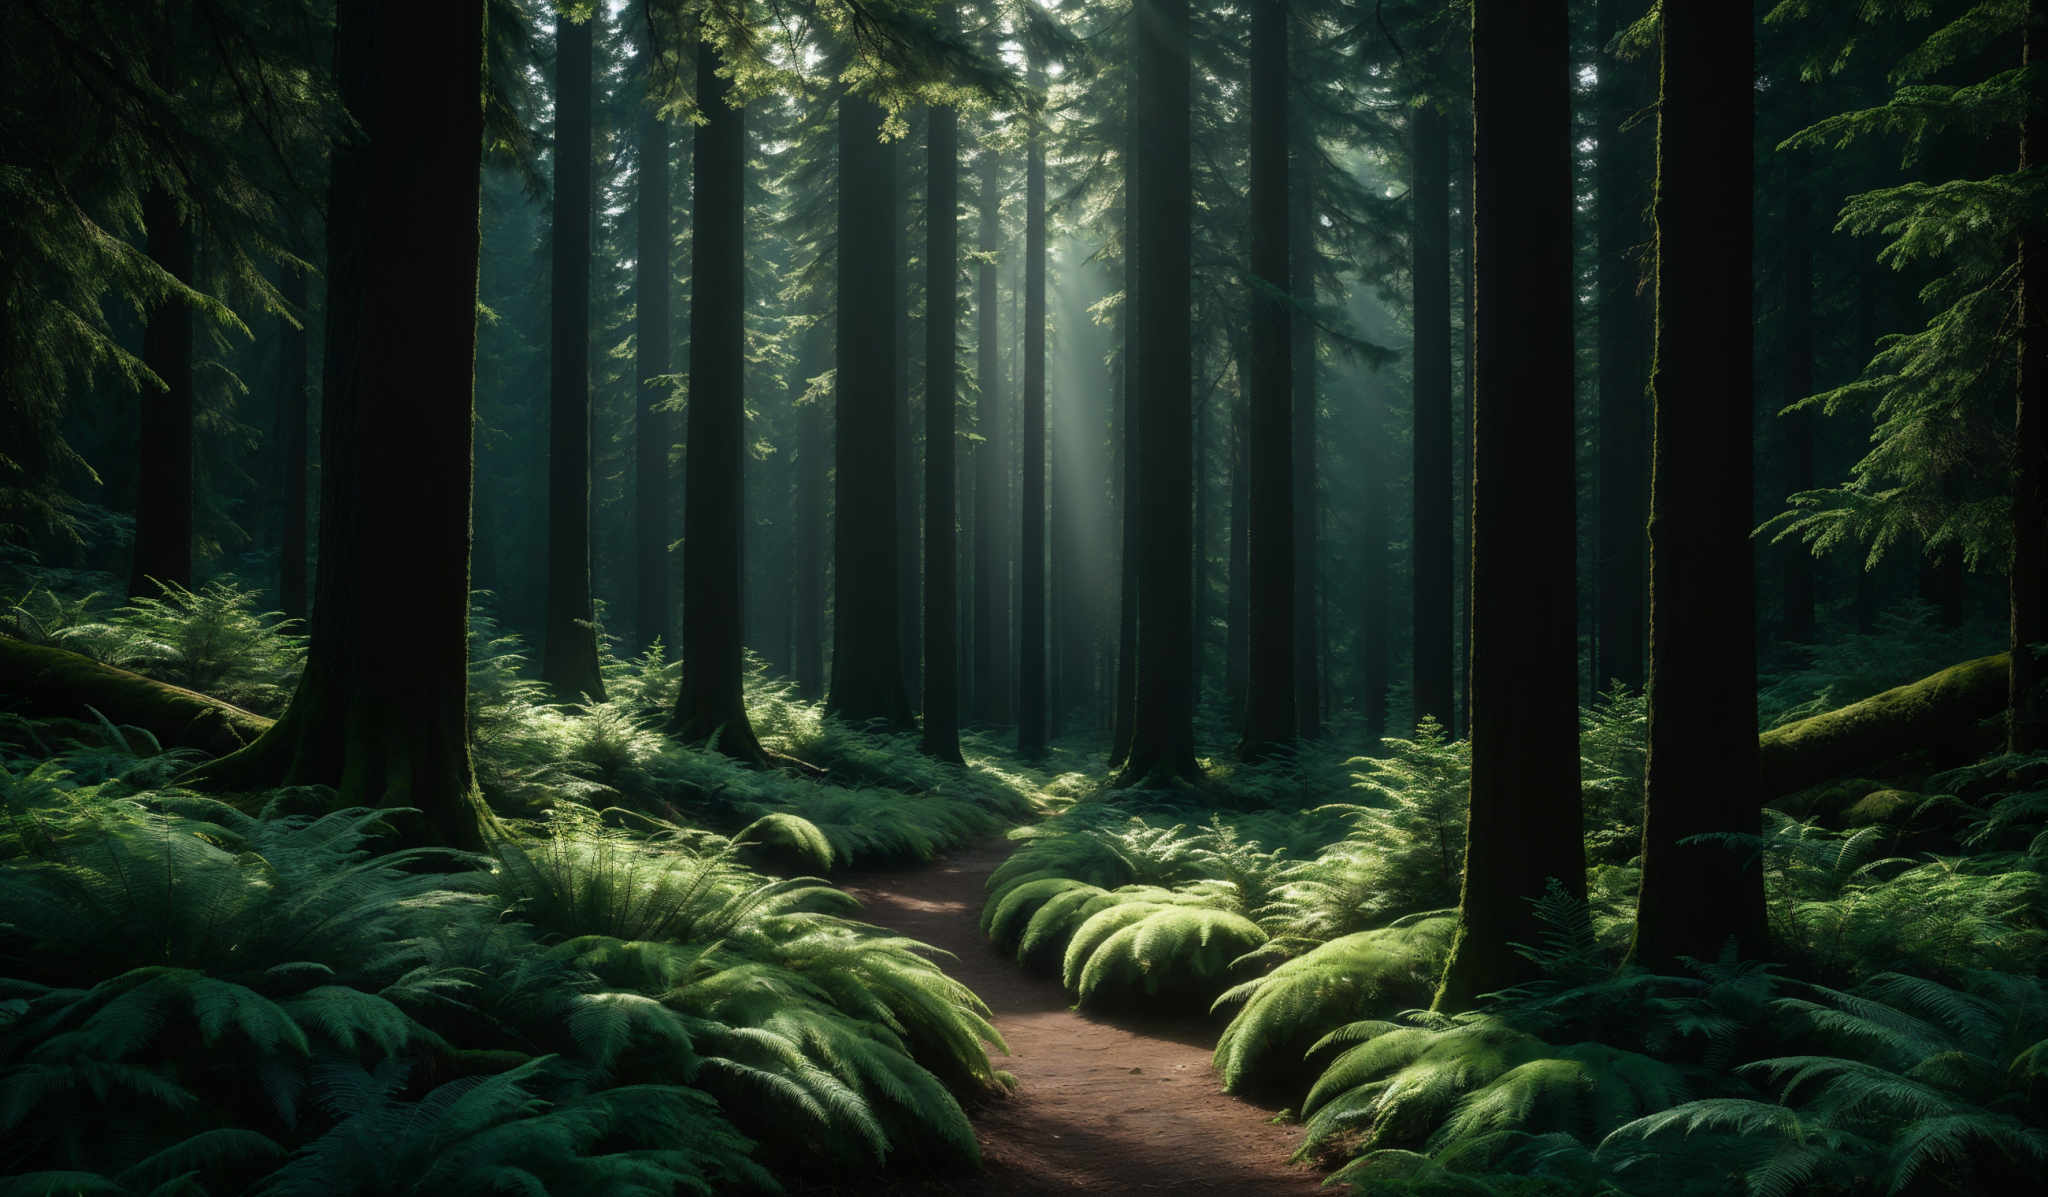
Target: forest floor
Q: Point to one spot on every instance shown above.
(1100, 1106)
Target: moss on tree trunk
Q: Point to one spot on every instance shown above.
(42, 682)
(1949, 709)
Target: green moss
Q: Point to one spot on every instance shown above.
(1881, 808)
(1945, 710)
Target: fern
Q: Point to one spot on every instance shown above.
(1281, 1014)
(1937, 1082)
(1183, 954)
(484, 1135)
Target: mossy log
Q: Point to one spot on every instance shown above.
(1945, 712)
(39, 681)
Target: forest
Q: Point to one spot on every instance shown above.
(1023, 597)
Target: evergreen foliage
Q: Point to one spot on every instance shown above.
(1938, 397)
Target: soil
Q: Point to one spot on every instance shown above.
(1100, 1107)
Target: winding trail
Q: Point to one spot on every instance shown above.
(1099, 1107)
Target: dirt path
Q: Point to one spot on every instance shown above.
(1099, 1108)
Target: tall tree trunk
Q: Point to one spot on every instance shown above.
(1198, 646)
(1703, 774)
(910, 611)
(1869, 593)
(1237, 599)
(812, 469)
(1163, 722)
(1129, 546)
(292, 449)
(1031, 696)
(1375, 658)
(942, 318)
(1431, 243)
(651, 360)
(1270, 694)
(991, 672)
(569, 656)
(163, 483)
(1310, 632)
(867, 661)
(711, 704)
(381, 711)
(1797, 381)
(1621, 172)
(2027, 730)
(1523, 829)
(1465, 257)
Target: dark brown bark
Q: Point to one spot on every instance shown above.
(711, 704)
(867, 660)
(1162, 729)
(163, 482)
(2027, 728)
(1310, 631)
(1464, 498)
(942, 318)
(991, 673)
(1375, 658)
(1237, 596)
(1796, 576)
(380, 713)
(910, 610)
(293, 395)
(1621, 178)
(651, 360)
(1523, 829)
(1031, 638)
(569, 654)
(1123, 701)
(1198, 647)
(1434, 604)
(1268, 724)
(1703, 771)
(812, 469)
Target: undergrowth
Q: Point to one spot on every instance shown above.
(274, 1003)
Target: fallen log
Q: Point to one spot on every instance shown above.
(1946, 712)
(42, 682)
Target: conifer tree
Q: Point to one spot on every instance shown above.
(163, 484)
(1304, 264)
(1523, 827)
(1702, 778)
(712, 702)
(813, 464)
(867, 667)
(1269, 710)
(942, 318)
(2027, 730)
(292, 404)
(1429, 163)
(569, 654)
(991, 472)
(1031, 629)
(1621, 172)
(380, 712)
(1123, 698)
(651, 357)
(1163, 705)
